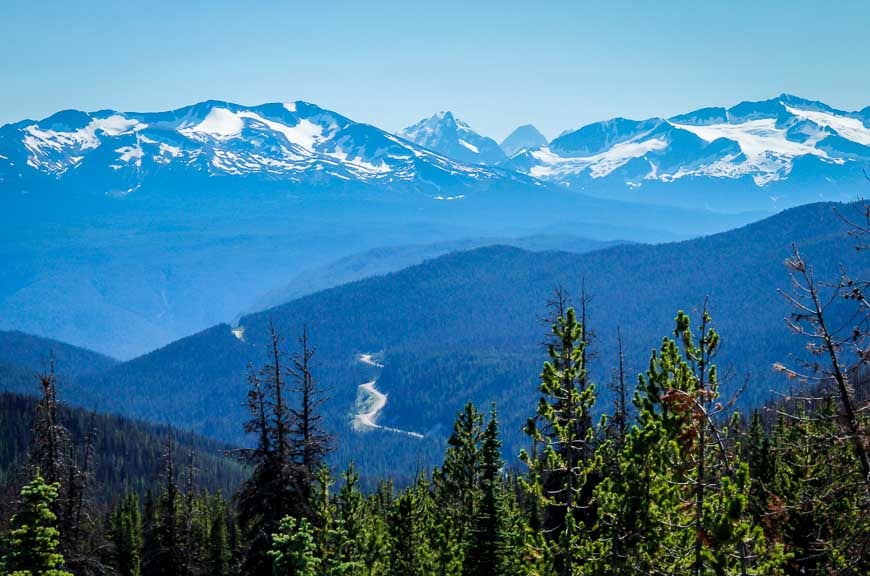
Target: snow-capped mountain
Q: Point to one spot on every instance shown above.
(753, 156)
(784, 147)
(525, 137)
(293, 142)
(453, 138)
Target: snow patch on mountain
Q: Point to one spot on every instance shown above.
(44, 144)
(846, 126)
(220, 123)
(471, 147)
(599, 165)
(767, 148)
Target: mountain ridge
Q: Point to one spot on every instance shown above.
(789, 149)
(466, 325)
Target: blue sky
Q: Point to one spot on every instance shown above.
(495, 64)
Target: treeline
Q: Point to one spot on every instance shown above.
(669, 480)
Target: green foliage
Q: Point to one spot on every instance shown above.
(561, 467)
(126, 536)
(488, 547)
(129, 452)
(31, 546)
(294, 550)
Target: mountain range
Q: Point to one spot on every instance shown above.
(124, 231)
(765, 143)
(782, 151)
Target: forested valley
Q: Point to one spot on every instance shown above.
(667, 477)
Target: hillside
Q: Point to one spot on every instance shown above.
(467, 325)
(393, 258)
(128, 453)
(24, 356)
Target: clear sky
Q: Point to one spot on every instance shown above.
(557, 65)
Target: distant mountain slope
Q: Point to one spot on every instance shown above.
(390, 259)
(467, 325)
(125, 275)
(24, 356)
(525, 137)
(786, 151)
(453, 138)
(128, 454)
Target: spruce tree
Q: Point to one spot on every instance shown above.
(219, 552)
(126, 536)
(294, 552)
(457, 489)
(487, 546)
(32, 544)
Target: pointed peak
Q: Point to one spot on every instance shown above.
(523, 137)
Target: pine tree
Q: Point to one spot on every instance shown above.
(561, 477)
(350, 531)
(411, 527)
(684, 489)
(32, 544)
(814, 506)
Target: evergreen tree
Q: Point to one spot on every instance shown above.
(410, 530)
(126, 536)
(814, 504)
(487, 546)
(351, 533)
(311, 443)
(164, 553)
(219, 552)
(293, 549)
(272, 492)
(457, 489)
(561, 477)
(32, 544)
(683, 493)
